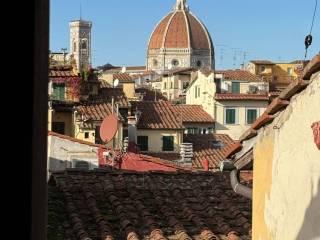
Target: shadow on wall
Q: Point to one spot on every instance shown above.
(310, 229)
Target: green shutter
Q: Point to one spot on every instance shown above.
(168, 143)
(230, 116)
(58, 91)
(251, 116)
(143, 143)
(235, 87)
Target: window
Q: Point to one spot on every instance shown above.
(235, 87)
(289, 71)
(86, 135)
(155, 62)
(262, 68)
(74, 46)
(84, 44)
(192, 130)
(199, 63)
(185, 85)
(58, 91)
(210, 130)
(143, 143)
(175, 63)
(230, 116)
(171, 85)
(167, 143)
(198, 91)
(165, 85)
(251, 115)
(58, 127)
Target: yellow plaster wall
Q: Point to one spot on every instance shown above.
(286, 191)
(129, 90)
(67, 118)
(155, 138)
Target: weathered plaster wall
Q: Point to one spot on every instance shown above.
(286, 192)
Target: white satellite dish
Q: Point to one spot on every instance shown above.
(115, 82)
(170, 66)
(124, 69)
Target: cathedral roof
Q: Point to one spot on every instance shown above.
(180, 29)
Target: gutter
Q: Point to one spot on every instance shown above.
(234, 179)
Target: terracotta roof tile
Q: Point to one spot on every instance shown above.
(281, 102)
(261, 121)
(241, 75)
(105, 96)
(241, 96)
(158, 205)
(180, 29)
(193, 114)
(236, 147)
(50, 133)
(276, 105)
(204, 148)
(312, 67)
(150, 95)
(157, 115)
(96, 112)
(122, 77)
(265, 62)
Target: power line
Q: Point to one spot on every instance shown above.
(308, 39)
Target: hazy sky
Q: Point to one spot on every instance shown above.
(273, 29)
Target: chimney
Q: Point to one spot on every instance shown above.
(186, 152)
(132, 129)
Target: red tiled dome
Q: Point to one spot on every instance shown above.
(180, 29)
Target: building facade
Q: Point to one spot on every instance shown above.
(80, 43)
(180, 40)
(234, 98)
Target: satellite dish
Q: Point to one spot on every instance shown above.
(124, 69)
(108, 128)
(115, 82)
(170, 66)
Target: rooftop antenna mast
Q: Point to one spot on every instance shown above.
(80, 12)
(64, 54)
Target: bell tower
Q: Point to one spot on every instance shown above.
(80, 43)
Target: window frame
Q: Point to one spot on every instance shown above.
(236, 116)
(163, 146)
(147, 144)
(232, 84)
(257, 116)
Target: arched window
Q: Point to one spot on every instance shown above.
(155, 62)
(175, 63)
(84, 44)
(74, 46)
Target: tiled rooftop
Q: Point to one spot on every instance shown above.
(127, 205)
(241, 75)
(105, 96)
(95, 112)
(265, 62)
(206, 147)
(157, 115)
(193, 114)
(281, 102)
(241, 96)
(122, 77)
(150, 95)
(61, 72)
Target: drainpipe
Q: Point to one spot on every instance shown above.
(234, 179)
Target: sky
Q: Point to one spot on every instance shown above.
(241, 30)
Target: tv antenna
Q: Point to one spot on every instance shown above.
(64, 54)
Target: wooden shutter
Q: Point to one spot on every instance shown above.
(230, 116)
(168, 143)
(235, 87)
(251, 115)
(143, 143)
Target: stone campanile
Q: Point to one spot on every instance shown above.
(80, 43)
